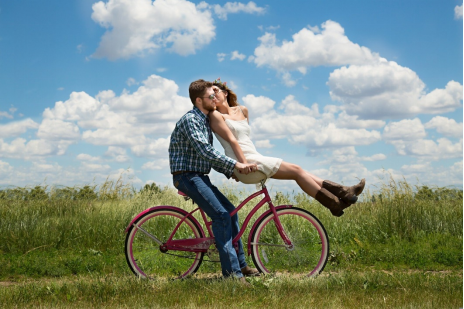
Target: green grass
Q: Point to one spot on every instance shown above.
(399, 247)
(369, 289)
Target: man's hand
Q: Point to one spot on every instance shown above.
(246, 168)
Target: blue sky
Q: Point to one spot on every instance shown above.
(345, 89)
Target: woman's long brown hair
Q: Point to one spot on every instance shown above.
(231, 97)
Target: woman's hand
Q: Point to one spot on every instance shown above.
(246, 168)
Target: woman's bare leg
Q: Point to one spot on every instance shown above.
(318, 180)
(291, 171)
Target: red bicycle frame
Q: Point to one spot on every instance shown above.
(202, 244)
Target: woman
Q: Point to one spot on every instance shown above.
(230, 124)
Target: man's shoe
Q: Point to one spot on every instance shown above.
(250, 272)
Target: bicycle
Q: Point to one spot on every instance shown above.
(165, 240)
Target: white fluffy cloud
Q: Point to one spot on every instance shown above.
(303, 125)
(258, 105)
(136, 27)
(152, 148)
(236, 55)
(326, 136)
(232, 7)
(55, 136)
(118, 154)
(140, 121)
(156, 165)
(264, 144)
(406, 129)
(5, 167)
(58, 130)
(87, 157)
(427, 174)
(408, 137)
(46, 173)
(20, 148)
(124, 121)
(445, 126)
(343, 166)
(17, 127)
(386, 89)
(95, 168)
(311, 47)
(6, 115)
(458, 12)
(139, 26)
(221, 56)
(370, 87)
(376, 157)
(426, 149)
(352, 122)
(79, 107)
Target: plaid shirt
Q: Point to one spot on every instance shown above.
(191, 147)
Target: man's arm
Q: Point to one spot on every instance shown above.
(192, 129)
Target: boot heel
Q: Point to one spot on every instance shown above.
(330, 201)
(350, 200)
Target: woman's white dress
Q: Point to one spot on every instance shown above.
(241, 131)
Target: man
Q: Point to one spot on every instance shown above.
(191, 157)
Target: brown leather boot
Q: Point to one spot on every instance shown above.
(346, 194)
(250, 272)
(333, 203)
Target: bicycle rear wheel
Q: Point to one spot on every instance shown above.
(309, 238)
(143, 254)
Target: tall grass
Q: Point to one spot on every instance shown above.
(48, 232)
(392, 226)
(54, 222)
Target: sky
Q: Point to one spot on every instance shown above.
(91, 90)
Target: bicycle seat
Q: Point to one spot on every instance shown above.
(251, 178)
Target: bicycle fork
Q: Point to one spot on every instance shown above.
(288, 243)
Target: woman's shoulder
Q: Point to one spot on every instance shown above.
(215, 115)
(244, 110)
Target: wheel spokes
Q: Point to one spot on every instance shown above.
(159, 242)
(144, 254)
(307, 253)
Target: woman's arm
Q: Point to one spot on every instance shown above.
(218, 125)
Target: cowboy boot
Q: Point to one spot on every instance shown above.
(347, 194)
(247, 271)
(330, 201)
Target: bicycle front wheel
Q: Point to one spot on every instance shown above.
(143, 254)
(310, 249)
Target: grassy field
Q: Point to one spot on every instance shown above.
(63, 247)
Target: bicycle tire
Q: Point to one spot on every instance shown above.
(308, 235)
(143, 254)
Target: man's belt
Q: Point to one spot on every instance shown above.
(183, 172)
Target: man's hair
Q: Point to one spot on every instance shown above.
(197, 89)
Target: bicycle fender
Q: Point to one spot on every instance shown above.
(258, 220)
(161, 207)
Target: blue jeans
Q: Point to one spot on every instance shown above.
(200, 189)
